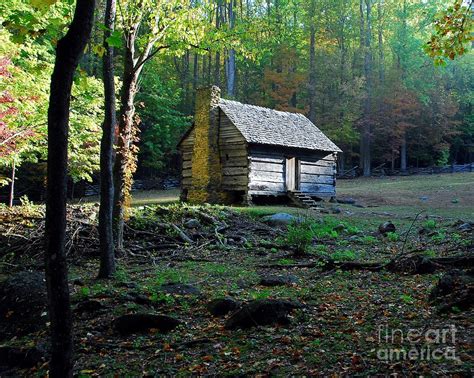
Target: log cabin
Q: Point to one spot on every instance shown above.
(236, 152)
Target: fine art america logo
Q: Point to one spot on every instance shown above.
(429, 344)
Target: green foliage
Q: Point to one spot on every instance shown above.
(453, 32)
(430, 224)
(367, 239)
(162, 122)
(408, 299)
(344, 255)
(30, 76)
(300, 235)
(439, 236)
(393, 236)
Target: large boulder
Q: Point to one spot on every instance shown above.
(23, 304)
(142, 323)
(262, 312)
(281, 219)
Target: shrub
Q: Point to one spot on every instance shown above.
(430, 224)
(393, 236)
(300, 235)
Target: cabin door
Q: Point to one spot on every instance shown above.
(292, 174)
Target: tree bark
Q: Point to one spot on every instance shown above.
(107, 253)
(68, 52)
(403, 154)
(365, 150)
(12, 185)
(217, 67)
(123, 166)
(231, 58)
(380, 42)
(312, 62)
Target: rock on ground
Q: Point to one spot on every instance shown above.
(180, 289)
(454, 289)
(20, 357)
(281, 219)
(262, 312)
(222, 306)
(278, 280)
(140, 323)
(386, 227)
(23, 302)
(346, 201)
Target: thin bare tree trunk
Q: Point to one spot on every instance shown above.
(12, 185)
(231, 58)
(312, 62)
(107, 253)
(366, 127)
(68, 52)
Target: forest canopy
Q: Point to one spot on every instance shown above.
(390, 81)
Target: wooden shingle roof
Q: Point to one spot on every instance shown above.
(272, 127)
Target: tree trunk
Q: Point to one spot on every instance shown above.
(107, 259)
(12, 185)
(124, 165)
(312, 63)
(217, 67)
(403, 154)
(68, 52)
(231, 58)
(380, 42)
(366, 128)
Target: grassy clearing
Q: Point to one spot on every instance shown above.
(446, 195)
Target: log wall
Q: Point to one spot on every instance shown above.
(233, 155)
(267, 171)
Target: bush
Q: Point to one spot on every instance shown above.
(300, 236)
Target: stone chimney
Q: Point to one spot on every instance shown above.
(206, 167)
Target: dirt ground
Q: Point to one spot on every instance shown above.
(351, 322)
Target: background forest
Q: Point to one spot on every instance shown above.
(359, 69)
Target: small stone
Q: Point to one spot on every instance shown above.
(339, 228)
(180, 289)
(281, 219)
(89, 305)
(424, 198)
(346, 201)
(386, 227)
(140, 323)
(222, 306)
(336, 210)
(465, 227)
(78, 282)
(192, 223)
(280, 280)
